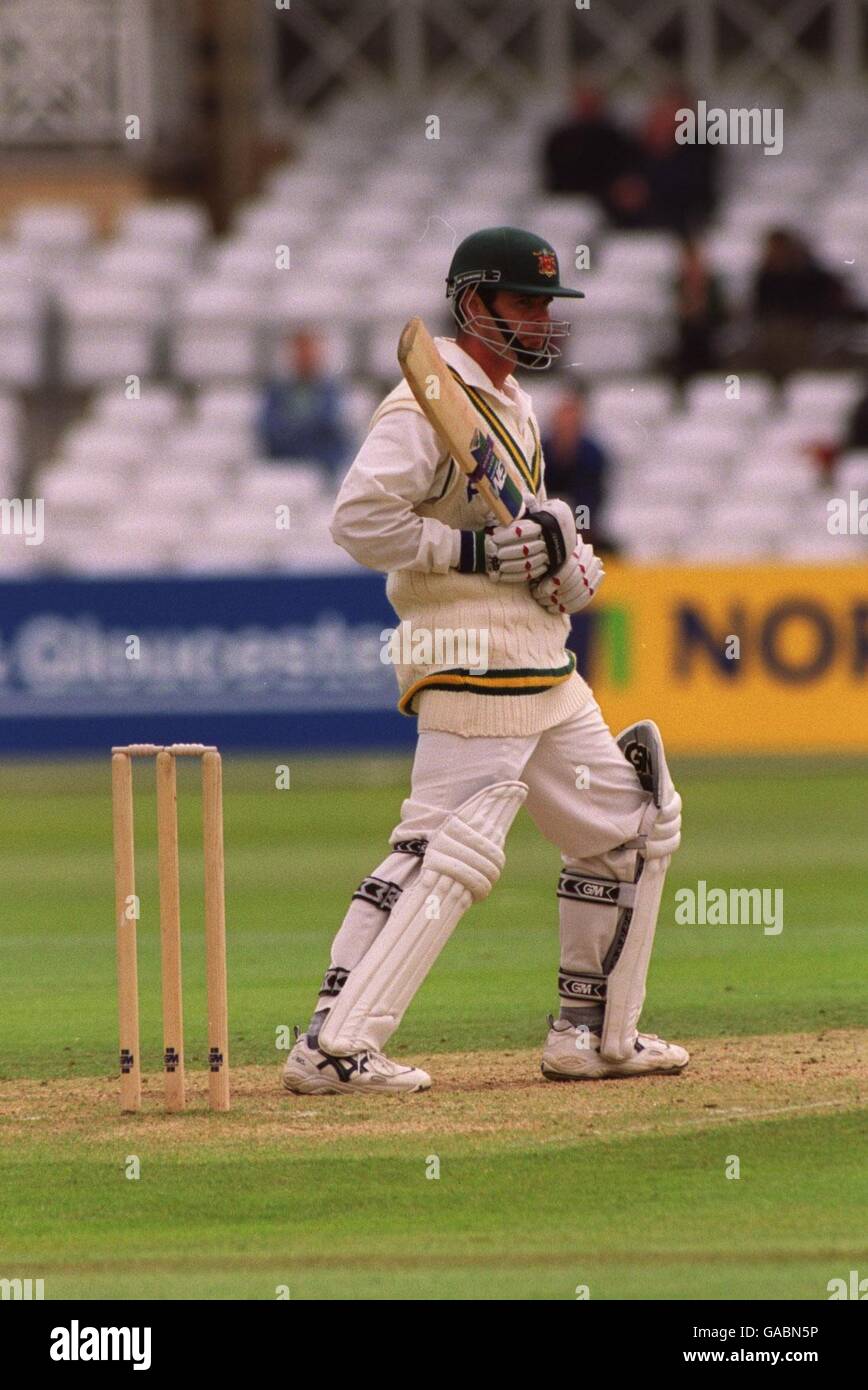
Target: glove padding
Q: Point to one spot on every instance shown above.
(515, 553)
(525, 550)
(558, 529)
(574, 585)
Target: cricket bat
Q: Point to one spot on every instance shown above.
(459, 425)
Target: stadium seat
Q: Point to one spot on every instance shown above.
(161, 265)
(733, 258)
(11, 459)
(175, 492)
(419, 294)
(269, 485)
(313, 301)
(737, 516)
(618, 295)
(815, 545)
(641, 401)
(663, 481)
(72, 488)
(628, 443)
(166, 224)
(705, 397)
(359, 404)
(749, 215)
(639, 254)
(22, 335)
(53, 227)
(234, 406)
(276, 224)
(852, 470)
(788, 434)
(157, 408)
(547, 392)
(251, 260)
(151, 539)
(567, 221)
(107, 331)
(59, 237)
(217, 333)
(691, 438)
(710, 547)
(822, 397)
(773, 476)
(207, 448)
(611, 349)
(246, 535)
(19, 560)
(305, 183)
(649, 528)
(19, 265)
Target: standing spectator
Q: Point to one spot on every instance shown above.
(589, 153)
(681, 179)
(793, 296)
(856, 436)
(300, 416)
(699, 313)
(576, 465)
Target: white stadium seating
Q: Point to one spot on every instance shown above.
(171, 476)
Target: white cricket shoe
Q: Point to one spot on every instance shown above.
(310, 1072)
(573, 1054)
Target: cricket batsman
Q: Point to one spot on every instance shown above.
(525, 730)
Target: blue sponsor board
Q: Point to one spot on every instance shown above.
(260, 662)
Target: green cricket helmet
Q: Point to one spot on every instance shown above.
(507, 258)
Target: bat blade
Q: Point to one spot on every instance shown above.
(458, 424)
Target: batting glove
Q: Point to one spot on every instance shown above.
(574, 585)
(515, 554)
(535, 545)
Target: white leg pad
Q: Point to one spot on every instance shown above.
(462, 863)
(659, 837)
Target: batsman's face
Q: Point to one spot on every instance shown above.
(529, 310)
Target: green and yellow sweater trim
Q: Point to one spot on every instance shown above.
(532, 474)
(510, 682)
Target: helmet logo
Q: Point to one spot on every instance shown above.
(547, 263)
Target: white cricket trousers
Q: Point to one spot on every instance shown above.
(583, 796)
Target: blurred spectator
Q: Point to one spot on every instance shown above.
(857, 424)
(793, 297)
(652, 182)
(589, 153)
(699, 313)
(681, 179)
(576, 465)
(300, 416)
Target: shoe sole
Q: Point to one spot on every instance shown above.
(336, 1088)
(613, 1076)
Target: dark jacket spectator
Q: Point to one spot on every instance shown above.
(681, 179)
(301, 412)
(794, 299)
(576, 466)
(589, 151)
(791, 283)
(857, 425)
(699, 313)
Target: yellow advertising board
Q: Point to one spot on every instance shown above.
(761, 657)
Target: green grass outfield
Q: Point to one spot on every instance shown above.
(619, 1186)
